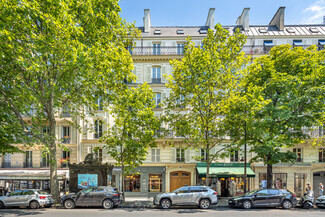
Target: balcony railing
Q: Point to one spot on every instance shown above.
(65, 140)
(6, 164)
(174, 50)
(28, 164)
(156, 80)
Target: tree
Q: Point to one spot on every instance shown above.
(134, 128)
(292, 82)
(60, 55)
(200, 85)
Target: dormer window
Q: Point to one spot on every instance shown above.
(268, 43)
(313, 30)
(297, 43)
(262, 30)
(180, 31)
(157, 32)
(291, 30)
(203, 31)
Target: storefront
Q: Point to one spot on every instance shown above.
(226, 178)
(31, 179)
(146, 181)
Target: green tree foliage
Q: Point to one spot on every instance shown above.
(292, 82)
(134, 128)
(60, 55)
(200, 84)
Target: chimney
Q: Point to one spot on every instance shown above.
(278, 19)
(146, 20)
(243, 19)
(210, 18)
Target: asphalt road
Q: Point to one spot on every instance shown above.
(184, 212)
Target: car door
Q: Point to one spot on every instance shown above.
(196, 193)
(26, 197)
(181, 196)
(97, 196)
(84, 197)
(12, 199)
(275, 197)
(261, 198)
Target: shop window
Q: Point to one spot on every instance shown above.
(298, 153)
(112, 180)
(300, 183)
(279, 180)
(155, 182)
(321, 154)
(180, 155)
(132, 183)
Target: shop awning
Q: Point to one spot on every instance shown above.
(225, 170)
(31, 174)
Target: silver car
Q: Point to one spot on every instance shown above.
(320, 201)
(201, 196)
(30, 198)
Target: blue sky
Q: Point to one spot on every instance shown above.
(194, 12)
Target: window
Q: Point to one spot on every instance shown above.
(156, 49)
(155, 155)
(234, 156)
(99, 103)
(321, 154)
(182, 190)
(297, 43)
(66, 112)
(262, 193)
(15, 193)
(132, 183)
(274, 191)
(98, 129)
(198, 189)
(45, 159)
(321, 44)
(268, 43)
(180, 155)
(66, 134)
(158, 100)
(180, 102)
(180, 31)
(298, 153)
(155, 183)
(157, 32)
(6, 161)
(279, 180)
(203, 31)
(28, 192)
(65, 159)
(203, 155)
(180, 48)
(28, 159)
(99, 154)
(156, 75)
(46, 130)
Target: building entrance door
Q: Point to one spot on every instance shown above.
(179, 179)
(318, 177)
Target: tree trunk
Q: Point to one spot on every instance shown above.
(269, 174)
(123, 183)
(53, 160)
(208, 168)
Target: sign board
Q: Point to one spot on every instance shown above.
(87, 180)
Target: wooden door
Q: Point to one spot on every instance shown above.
(179, 179)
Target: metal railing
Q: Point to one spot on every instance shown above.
(44, 164)
(28, 165)
(174, 50)
(65, 140)
(156, 80)
(6, 164)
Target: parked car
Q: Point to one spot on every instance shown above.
(31, 198)
(201, 196)
(105, 196)
(265, 198)
(320, 201)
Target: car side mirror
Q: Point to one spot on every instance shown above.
(255, 195)
(176, 192)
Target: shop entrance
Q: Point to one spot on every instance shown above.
(318, 177)
(179, 179)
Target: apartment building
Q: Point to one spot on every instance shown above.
(167, 168)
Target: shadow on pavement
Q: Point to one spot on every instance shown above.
(21, 212)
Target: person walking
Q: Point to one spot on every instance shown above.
(321, 189)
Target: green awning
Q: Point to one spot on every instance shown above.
(224, 171)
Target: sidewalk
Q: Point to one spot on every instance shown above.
(144, 202)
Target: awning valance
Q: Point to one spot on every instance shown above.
(224, 170)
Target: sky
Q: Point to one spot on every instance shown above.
(195, 12)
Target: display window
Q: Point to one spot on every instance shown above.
(132, 183)
(155, 182)
(279, 180)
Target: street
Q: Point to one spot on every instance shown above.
(190, 211)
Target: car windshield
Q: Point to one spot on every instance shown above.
(252, 192)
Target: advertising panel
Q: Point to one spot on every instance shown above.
(87, 180)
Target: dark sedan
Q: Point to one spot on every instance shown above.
(265, 198)
(104, 196)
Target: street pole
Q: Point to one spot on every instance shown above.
(245, 162)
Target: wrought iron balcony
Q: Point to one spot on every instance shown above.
(28, 164)
(6, 164)
(156, 80)
(174, 50)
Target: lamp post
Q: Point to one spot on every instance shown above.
(245, 161)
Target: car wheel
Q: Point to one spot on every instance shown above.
(34, 205)
(286, 204)
(165, 203)
(247, 204)
(2, 205)
(306, 206)
(108, 204)
(69, 204)
(205, 204)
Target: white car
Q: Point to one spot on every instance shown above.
(29, 198)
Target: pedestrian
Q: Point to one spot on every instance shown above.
(308, 188)
(321, 189)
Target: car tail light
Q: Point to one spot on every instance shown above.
(294, 195)
(116, 194)
(42, 197)
(215, 193)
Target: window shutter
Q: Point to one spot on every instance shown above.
(187, 155)
(173, 150)
(163, 97)
(163, 72)
(89, 150)
(157, 155)
(148, 74)
(197, 153)
(138, 74)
